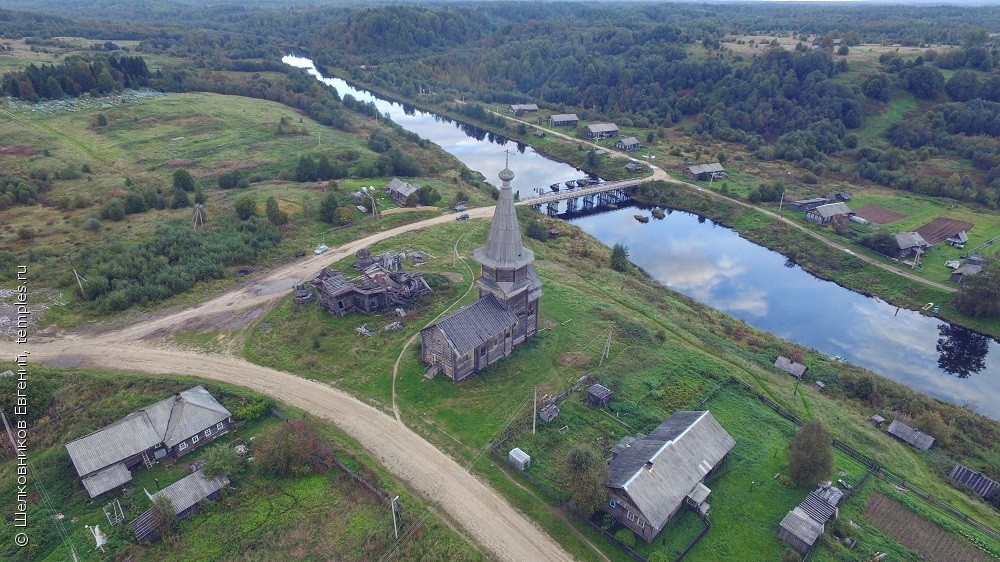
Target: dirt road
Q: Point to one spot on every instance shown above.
(482, 512)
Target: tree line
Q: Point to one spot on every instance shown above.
(76, 76)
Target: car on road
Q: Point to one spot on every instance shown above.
(462, 217)
(320, 249)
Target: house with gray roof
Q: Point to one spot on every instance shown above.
(958, 240)
(797, 370)
(519, 108)
(910, 242)
(171, 427)
(506, 314)
(979, 483)
(184, 496)
(964, 271)
(596, 131)
(653, 476)
(703, 172)
(804, 524)
(401, 190)
(627, 144)
(564, 120)
(910, 435)
(825, 214)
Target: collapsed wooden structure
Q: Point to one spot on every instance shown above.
(382, 285)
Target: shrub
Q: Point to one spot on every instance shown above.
(427, 195)
(537, 231)
(25, 233)
(115, 210)
(619, 258)
(221, 461)
(328, 208)
(254, 410)
(293, 448)
(92, 225)
(183, 180)
(102, 121)
(245, 207)
(626, 537)
(274, 213)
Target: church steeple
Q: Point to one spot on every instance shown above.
(504, 249)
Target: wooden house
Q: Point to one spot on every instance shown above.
(596, 131)
(519, 108)
(713, 171)
(400, 190)
(965, 271)
(905, 433)
(627, 144)
(877, 420)
(633, 167)
(794, 369)
(506, 314)
(378, 288)
(599, 395)
(184, 495)
(908, 243)
(564, 120)
(804, 524)
(653, 476)
(807, 204)
(825, 214)
(171, 427)
(981, 485)
(958, 240)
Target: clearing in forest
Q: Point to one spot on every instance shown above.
(942, 228)
(918, 534)
(879, 215)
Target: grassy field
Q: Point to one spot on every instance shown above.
(666, 352)
(260, 516)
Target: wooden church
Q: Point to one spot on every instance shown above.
(506, 314)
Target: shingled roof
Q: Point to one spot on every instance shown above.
(657, 471)
(168, 421)
(475, 324)
(504, 249)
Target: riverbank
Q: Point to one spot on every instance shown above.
(821, 258)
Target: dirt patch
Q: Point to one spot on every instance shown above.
(148, 120)
(942, 228)
(231, 166)
(573, 359)
(916, 533)
(878, 215)
(18, 150)
(179, 163)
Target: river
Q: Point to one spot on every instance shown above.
(717, 267)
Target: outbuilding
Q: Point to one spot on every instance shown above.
(519, 459)
(825, 214)
(797, 370)
(627, 144)
(548, 413)
(910, 242)
(918, 439)
(596, 131)
(564, 120)
(599, 395)
(713, 171)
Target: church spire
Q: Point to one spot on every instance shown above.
(503, 249)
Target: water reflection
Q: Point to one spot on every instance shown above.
(715, 266)
(963, 352)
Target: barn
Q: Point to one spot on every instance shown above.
(918, 439)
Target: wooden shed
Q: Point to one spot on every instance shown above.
(519, 459)
(980, 484)
(599, 395)
(564, 120)
(877, 420)
(797, 370)
(548, 413)
(918, 439)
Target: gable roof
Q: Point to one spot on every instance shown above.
(107, 479)
(960, 237)
(907, 240)
(524, 106)
(565, 117)
(832, 210)
(699, 169)
(191, 489)
(504, 249)
(475, 324)
(168, 421)
(801, 526)
(629, 141)
(968, 269)
(659, 470)
(602, 128)
(979, 483)
(916, 438)
(797, 370)
(401, 187)
(817, 508)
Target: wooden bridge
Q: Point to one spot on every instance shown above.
(585, 198)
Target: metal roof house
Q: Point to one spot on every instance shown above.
(825, 214)
(627, 144)
(400, 190)
(184, 495)
(980, 484)
(912, 436)
(808, 204)
(909, 242)
(797, 370)
(172, 426)
(506, 314)
(564, 120)
(703, 172)
(599, 395)
(596, 131)
(653, 476)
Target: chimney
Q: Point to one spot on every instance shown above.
(649, 464)
(177, 397)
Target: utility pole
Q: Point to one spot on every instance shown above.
(534, 411)
(780, 203)
(79, 280)
(394, 505)
(606, 351)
